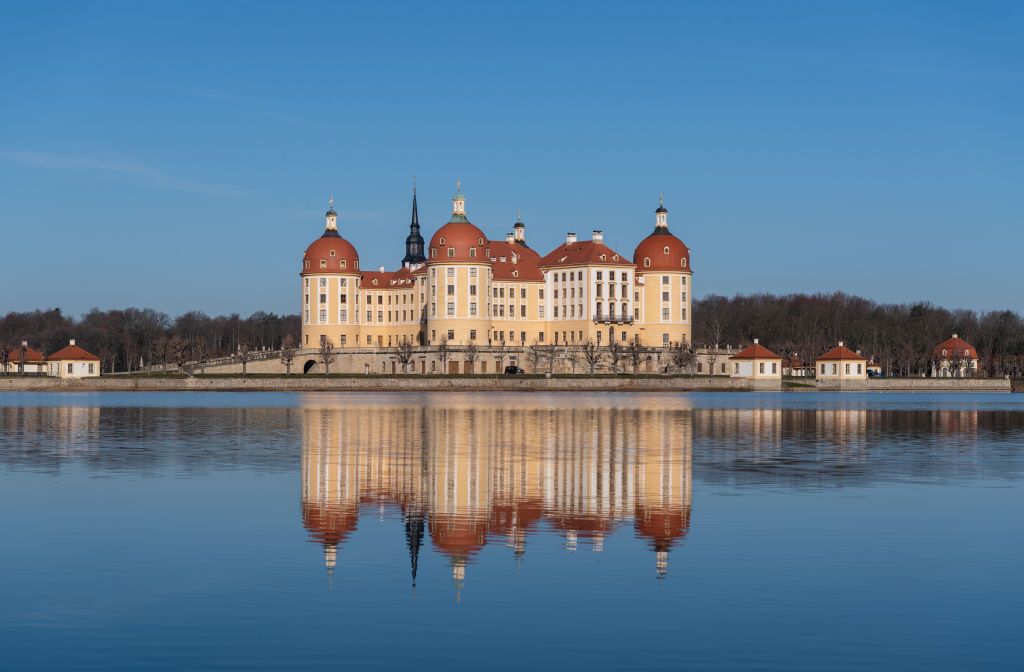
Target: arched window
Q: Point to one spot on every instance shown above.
(665, 249)
(433, 253)
(647, 262)
(441, 241)
(451, 252)
(472, 252)
(323, 263)
(682, 262)
(344, 264)
(333, 254)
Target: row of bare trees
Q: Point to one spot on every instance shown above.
(129, 338)
(900, 337)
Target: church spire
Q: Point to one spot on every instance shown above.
(414, 242)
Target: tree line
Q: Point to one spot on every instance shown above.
(900, 337)
(125, 338)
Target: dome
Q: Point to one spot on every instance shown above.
(665, 252)
(330, 253)
(662, 527)
(329, 524)
(461, 238)
(457, 536)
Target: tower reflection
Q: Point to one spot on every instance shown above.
(466, 473)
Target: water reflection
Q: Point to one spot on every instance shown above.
(468, 474)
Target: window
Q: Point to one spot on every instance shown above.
(736, 367)
(451, 308)
(323, 282)
(664, 339)
(664, 279)
(472, 334)
(451, 290)
(323, 263)
(472, 272)
(90, 367)
(600, 289)
(472, 309)
(847, 369)
(760, 367)
(323, 298)
(451, 252)
(522, 293)
(647, 262)
(369, 316)
(664, 313)
(380, 315)
(556, 311)
(343, 339)
(472, 290)
(472, 253)
(599, 275)
(441, 241)
(70, 367)
(540, 294)
(323, 315)
(343, 264)
(451, 334)
(664, 296)
(859, 369)
(451, 271)
(775, 367)
(540, 337)
(433, 253)
(343, 315)
(522, 310)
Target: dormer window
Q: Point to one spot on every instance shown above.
(305, 263)
(441, 241)
(665, 249)
(451, 252)
(604, 257)
(343, 263)
(323, 263)
(375, 282)
(615, 257)
(683, 262)
(356, 265)
(333, 254)
(479, 241)
(472, 252)
(647, 262)
(515, 274)
(433, 253)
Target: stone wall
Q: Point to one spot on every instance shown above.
(918, 385)
(391, 384)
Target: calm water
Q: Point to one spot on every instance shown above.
(523, 531)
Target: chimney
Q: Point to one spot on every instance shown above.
(840, 344)
(570, 238)
(24, 344)
(597, 236)
(381, 269)
(954, 335)
(72, 341)
(510, 238)
(755, 341)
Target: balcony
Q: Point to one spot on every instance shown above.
(612, 319)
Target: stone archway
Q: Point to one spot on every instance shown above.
(309, 366)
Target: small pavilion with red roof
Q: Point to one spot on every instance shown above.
(756, 361)
(840, 363)
(954, 358)
(72, 361)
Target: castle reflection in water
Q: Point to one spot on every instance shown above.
(470, 474)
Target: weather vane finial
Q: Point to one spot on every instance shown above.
(330, 202)
(458, 185)
(661, 199)
(519, 216)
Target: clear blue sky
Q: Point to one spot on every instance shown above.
(181, 158)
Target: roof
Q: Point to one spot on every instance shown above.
(583, 252)
(523, 269)
(955, 345)
(841, 352)
(461, 236)
(327, 253)
(400, 279)
(31, 355)
(73, 352)
(755, 351)
(663, 252)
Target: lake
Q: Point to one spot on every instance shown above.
(511, 531)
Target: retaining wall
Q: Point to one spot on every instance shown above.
(918, 385)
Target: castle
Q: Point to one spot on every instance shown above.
(462, 289)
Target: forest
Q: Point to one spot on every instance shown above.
(899, 336)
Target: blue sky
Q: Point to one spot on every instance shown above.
(181, 157)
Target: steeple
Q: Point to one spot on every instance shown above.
(413, 538)
(660, 216)
(414, 241)
(331, 219)
(458, 204)
(520, 230)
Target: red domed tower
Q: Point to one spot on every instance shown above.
(663, 270)
(330, 281)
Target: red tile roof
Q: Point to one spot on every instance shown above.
(73, 352)
(841, 352)
(956, 345)
(583, 252)
(31, 356)
(755, 351)
(400, 279)
(523, 270)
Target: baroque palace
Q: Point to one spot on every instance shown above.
(463, 288)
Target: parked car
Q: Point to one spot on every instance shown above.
(513, 370)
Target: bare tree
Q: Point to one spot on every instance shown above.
(22, 352)
(288, 352)
(592, 355)
(472, 354)
(534, 355)
(615, 356)
(244, 354)
(5, 356)
(179, 353)
(404, 353)
(201, 355)
(326, 353)
(635, 353)
(500, 352)
(549, 356)
(572, 356)
(443, 352)
(681, 354)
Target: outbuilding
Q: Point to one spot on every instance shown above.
(72, 361)
(954, 358)
(841, 363)
(755, 361)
